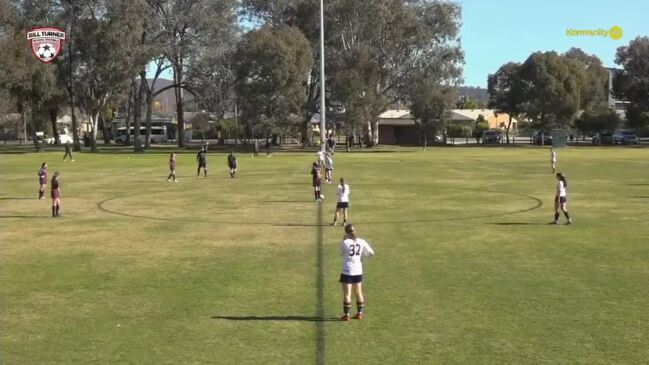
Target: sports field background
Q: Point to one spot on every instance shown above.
(245, 271)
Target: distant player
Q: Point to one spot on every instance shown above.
(68, 152)
(553, 160)
(353, 251)
(172, 168)
(42, 180)
(268, 148)
(329, 168)
(343, 201)
(232, 164)
(316, 175)
(561, 199)
(255, 151)
(201, 158)
(56, 195)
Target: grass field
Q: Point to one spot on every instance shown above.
(221, 271)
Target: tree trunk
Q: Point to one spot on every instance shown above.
(94, 119)
(149, 112)
(104, 129)
(509, 125)
(75, 126)
(129, 112)
(149, 99)
(54, 113)
(375, 133)
(178, 78)
(369, 133)
(137, 115)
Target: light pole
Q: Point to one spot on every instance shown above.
(322, 80)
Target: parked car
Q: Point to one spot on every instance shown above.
(492, 137)
(625, 136)
(539, 136)
(603, 137)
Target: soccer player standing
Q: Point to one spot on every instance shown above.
(56, 195)
(201, 158)
(316, 175)
(343, 201)
(353, 251)
(42, 180)
(329, 168)
(553, 160)
(232, 164)
(172, 168)
(561, 199)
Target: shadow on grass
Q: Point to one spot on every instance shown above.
(11, 198)
(286, 201)
(277, 318)
(642, 184)
(642, 197)
(22, 216)
(519, 224)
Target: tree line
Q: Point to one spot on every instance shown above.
(262, 56)
(551, 90)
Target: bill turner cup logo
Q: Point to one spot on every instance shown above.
(46, 43)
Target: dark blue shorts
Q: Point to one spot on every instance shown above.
(561, 199)
(342, 205)
(351, 279)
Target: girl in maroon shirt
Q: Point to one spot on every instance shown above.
(42, 180)
(56, 195)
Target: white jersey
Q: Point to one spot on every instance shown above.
(352, 252)
(320, 155)
(343, 196)
(561, 189)
(329, 163)
(553, 156)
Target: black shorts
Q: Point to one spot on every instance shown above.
(351, 279)
(202, 164)
(317, 183)
(561, 199)
(342, 205)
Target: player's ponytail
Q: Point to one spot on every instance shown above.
(342, 184)
(563, 179)
(43, 165)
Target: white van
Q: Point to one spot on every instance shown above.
(158, 134)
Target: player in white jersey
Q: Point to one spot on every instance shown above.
(329, 167)
(343, 201)
(353, 251)
(561, 199)
(553, 160)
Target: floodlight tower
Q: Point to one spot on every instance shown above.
(322, 81)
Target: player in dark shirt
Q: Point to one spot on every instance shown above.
(68, 151)
(56, 195)
(316, 175)
(232, 164)
(172, 168)
(42, 180)
(201, 158)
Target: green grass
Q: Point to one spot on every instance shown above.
(466, 268)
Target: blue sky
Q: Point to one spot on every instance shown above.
(495, 32)
(498, 31)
